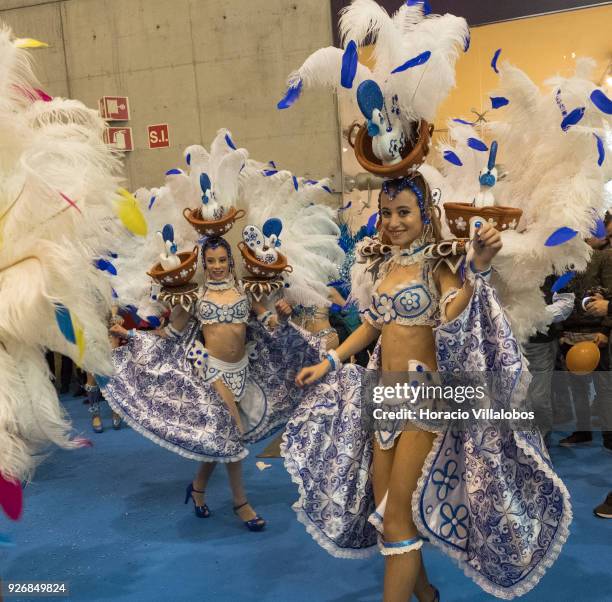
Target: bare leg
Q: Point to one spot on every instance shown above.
(201, 480)
(382, 464)
(234, 472)
(227, 396)
(402, 571)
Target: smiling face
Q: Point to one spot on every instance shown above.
(401, 221)
(217, 263)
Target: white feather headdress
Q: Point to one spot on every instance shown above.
(182, 190)
(58, 198)
(406, 35)
(555, 174)
(310, 233)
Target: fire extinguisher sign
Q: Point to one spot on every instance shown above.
(158, 135)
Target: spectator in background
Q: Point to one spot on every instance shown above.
(541, 352)
(591, 323)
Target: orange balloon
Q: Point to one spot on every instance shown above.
(583, 358)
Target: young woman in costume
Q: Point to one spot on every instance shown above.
(186, 396)
(457, 489)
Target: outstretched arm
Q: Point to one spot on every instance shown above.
(359, 340)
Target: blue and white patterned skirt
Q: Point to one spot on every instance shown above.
(488, 498)
(159, 392)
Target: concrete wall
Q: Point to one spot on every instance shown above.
(197, 65)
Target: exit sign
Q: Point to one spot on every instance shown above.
(158, 135)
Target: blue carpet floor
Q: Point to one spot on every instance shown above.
(110, 521)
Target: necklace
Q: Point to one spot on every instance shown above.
(220, 285)
(413, 254)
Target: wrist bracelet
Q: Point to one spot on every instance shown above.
(333, 359)
(471, 273)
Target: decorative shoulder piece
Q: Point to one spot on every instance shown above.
(371, 248)
(449, 252)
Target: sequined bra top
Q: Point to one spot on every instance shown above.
(415, 303)
(209, 312)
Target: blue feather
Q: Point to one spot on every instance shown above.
(105, 266)
(113, 255)
(572, 118)
(188, 158)
(327, 189)
(369, 97)
(269, 172)
(152, 201)
(272, 164)
(478, 145)
(153, 321)
(421, 59)
(334, 308)
(64, 322)
(311, 182)
(560, 236)
(168, 233)
(600, 150)
(599, 229)
(173, 172)
(295, 182)
(272, 226)
(426, 6)
(492, 155)
(499, 101)
(494, 60)
(371, 225)
(350, 60)
(562, 281)
(601, 101)
(467, 41)
(292, 94)
(347, 206)
(114, 293)
(205, 182)
(230, 142)
(451, 157)
(464, 122)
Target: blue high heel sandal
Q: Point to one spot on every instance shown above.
(200, 511)
(255, 524)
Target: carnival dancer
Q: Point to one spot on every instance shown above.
(425, 484)
(186, 396)
(485, 495)
(213, 379)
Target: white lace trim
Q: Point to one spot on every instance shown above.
(385, 551)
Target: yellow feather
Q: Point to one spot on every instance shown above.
(79, 335)
(30, 43)
(128, 211)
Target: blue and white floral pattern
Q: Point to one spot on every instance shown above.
(487, 497)
(157, 390)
